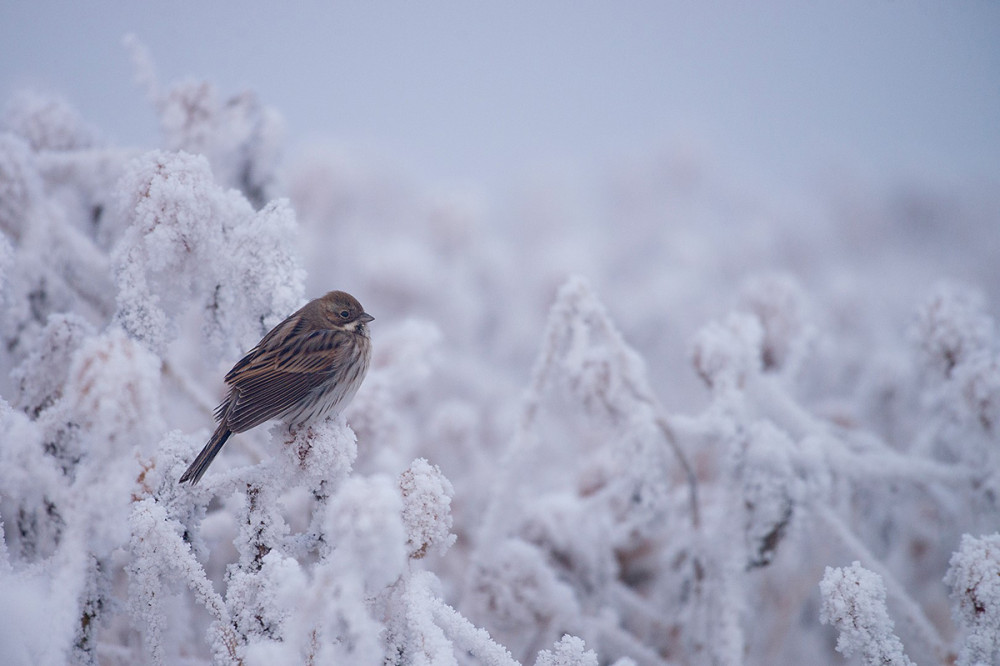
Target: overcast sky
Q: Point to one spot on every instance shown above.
(484, 93)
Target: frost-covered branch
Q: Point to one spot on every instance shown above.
(913, 615)
(469, 637)
(854, 603)
(158, 550)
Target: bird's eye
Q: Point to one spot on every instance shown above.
(345, 314)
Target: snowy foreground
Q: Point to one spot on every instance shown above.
(665, 422)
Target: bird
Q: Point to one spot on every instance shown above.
(307, 367)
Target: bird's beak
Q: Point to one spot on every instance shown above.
(365, 317)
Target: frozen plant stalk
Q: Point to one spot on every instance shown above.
(854, 603)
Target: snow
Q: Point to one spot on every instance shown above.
(631, 425)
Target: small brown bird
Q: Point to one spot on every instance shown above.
(307, 367)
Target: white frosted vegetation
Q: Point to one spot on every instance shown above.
(854, 603)
(637, 438)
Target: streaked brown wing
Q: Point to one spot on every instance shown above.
(260, 403)
(288, 329)
(268, 381)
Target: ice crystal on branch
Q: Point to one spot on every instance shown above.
(854, 603)
(569, 651)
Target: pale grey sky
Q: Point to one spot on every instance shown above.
(484, 93)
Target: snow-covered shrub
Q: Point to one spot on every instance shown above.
(187, 239)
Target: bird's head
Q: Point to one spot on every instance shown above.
(344, 312)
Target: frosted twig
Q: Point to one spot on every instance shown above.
(920, 626)
(854, 603)
(168, 550)
(689, 475)
(468, 636)
(198, 582)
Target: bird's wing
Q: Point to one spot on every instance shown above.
(267, 381)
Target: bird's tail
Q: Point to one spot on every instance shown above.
(207, 455)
